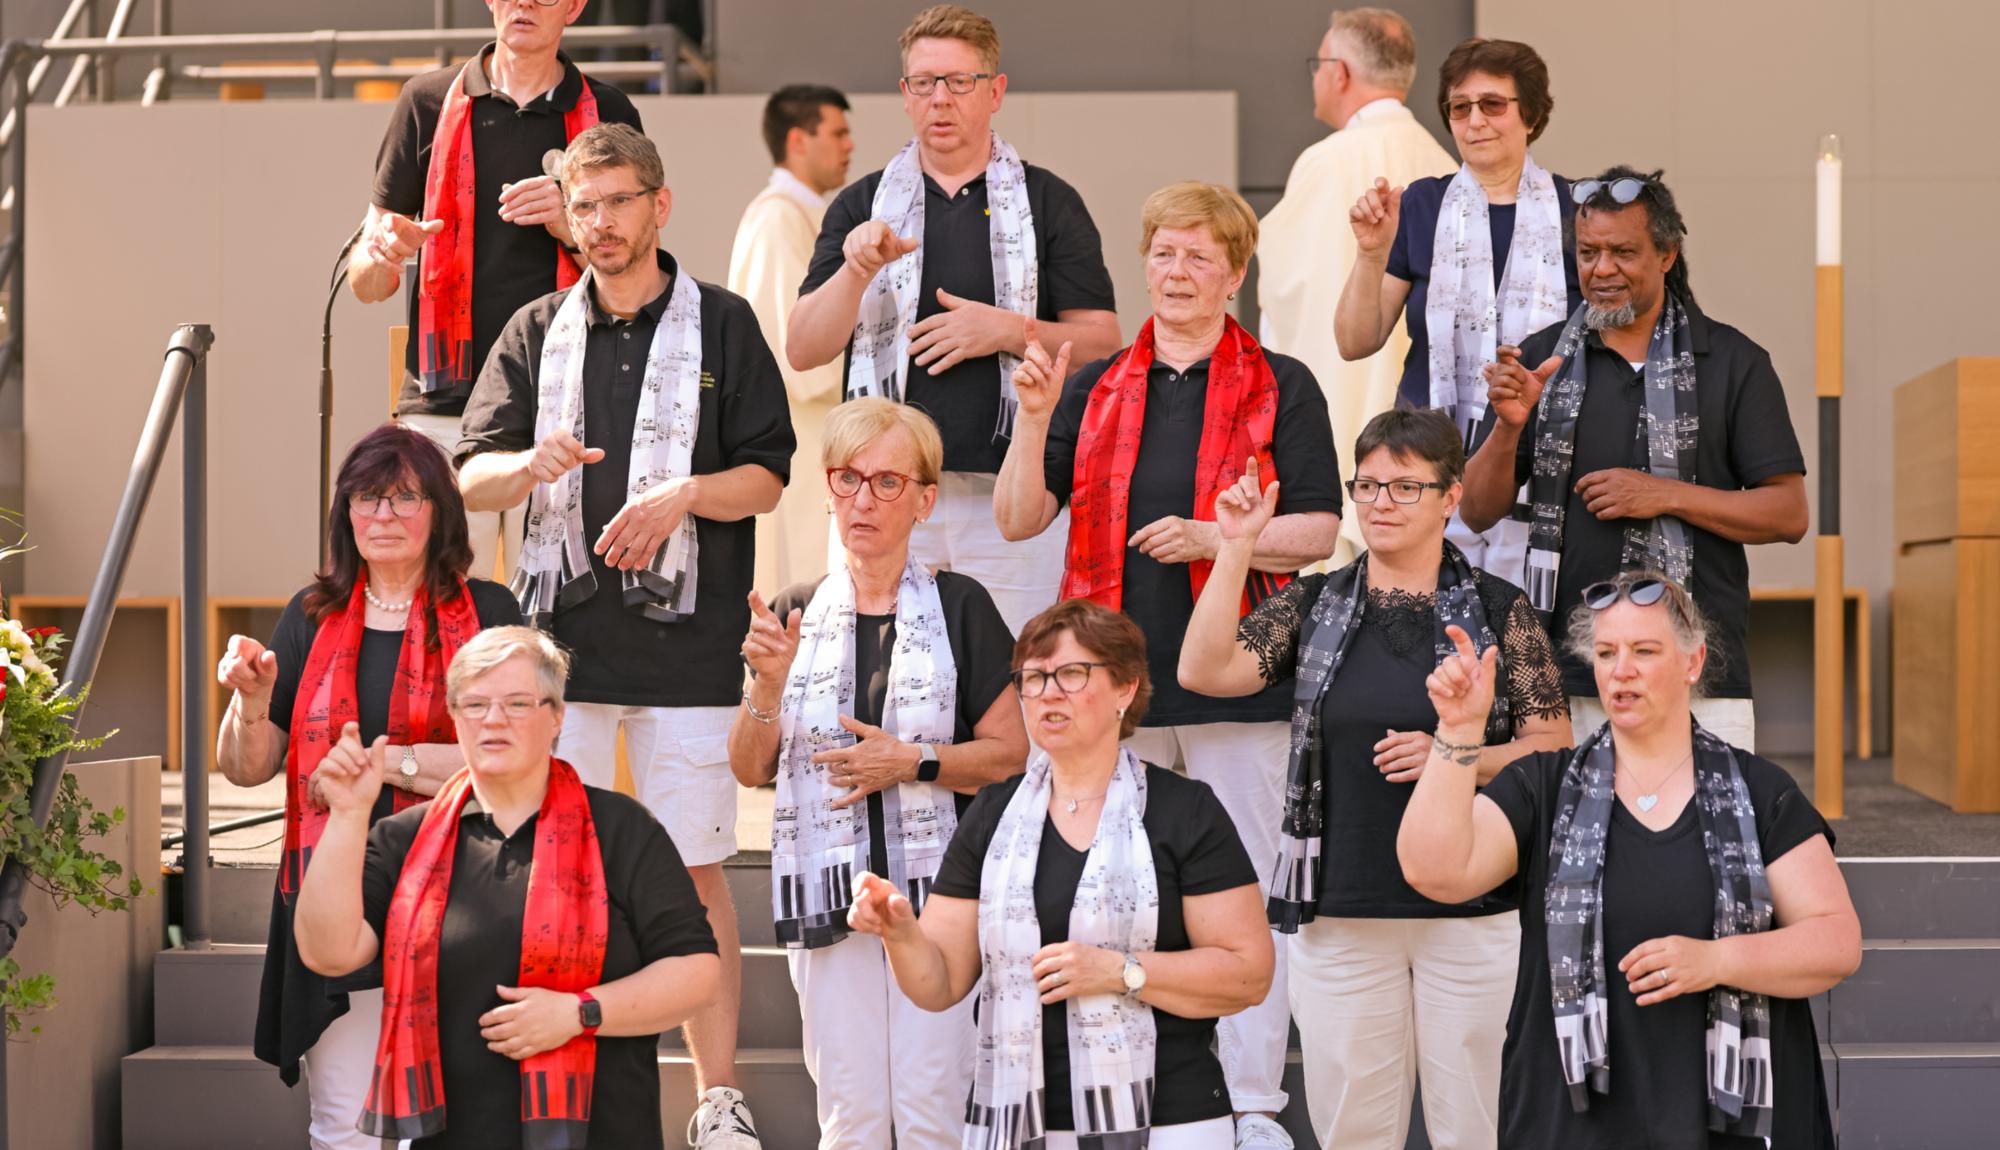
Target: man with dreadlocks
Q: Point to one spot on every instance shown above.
(1650, 437)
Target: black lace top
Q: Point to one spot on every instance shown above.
(1380, 690)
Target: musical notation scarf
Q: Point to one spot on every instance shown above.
(327, 701)
(555, 571)
(444, 291)
(879, 354)
(1239, 415)
(563, 935)
(1111, 1036)
(1668, 437)
(815, 850)
(1740, 1075)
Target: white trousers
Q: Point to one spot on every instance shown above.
(1501, 549)
(1212, 1134)
(493, 533)
(1379, 999)
(337, 1070)
(881, 1062)
(1244, 764)
(1734, 721)
(961, 536)
(679, 758)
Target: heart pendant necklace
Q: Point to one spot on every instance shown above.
(1651, 799)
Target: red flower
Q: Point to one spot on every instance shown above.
(40, 632)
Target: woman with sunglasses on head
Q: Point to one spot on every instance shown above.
(1680, 900)
(366, 643)
(1475, 260)
(1385, 982)
(879, 704)
(1104, 907)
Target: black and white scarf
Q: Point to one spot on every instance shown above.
(1325, 635)
(816, 850)
(1111, 1036)
(1740, 1077)
(555, 571)
(1670, 433)
(880, 351)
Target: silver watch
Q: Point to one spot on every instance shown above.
(408, 771)
(1135, 976)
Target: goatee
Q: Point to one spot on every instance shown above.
(1599, 318)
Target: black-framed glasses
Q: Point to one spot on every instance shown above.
(1622, 191)
(514, 707)
(405, 504)
(1642, 593)
(1489, 106)
(957, 83)
(1313, 63)
(888, 486)
(1069, 678)
(1402, 491)
(617, 202)
(536, 3)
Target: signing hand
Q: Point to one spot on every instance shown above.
(532, 203)
(637, 532)
(560, 453)
(532, 1019)
(396, 238)
(1669, 967)
(1176, 540)
(350, 776)
(1402, 755)
(772, 644)
(248, 669)
(1461, 688)
(1622, 493)
(1069, 969)
(1512, 391)
(1038, 382)
(878, 761)
(963, 330)
(1242, 509)
(1374, 217)
(872, 246)
(880, 910)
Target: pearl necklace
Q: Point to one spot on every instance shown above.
(391, 608)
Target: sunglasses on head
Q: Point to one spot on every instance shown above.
(1622, 191)
(1642, 593)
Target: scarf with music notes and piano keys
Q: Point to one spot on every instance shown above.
(1239, 417)
(564, 929)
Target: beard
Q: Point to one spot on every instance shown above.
(616, 262)
(1599, 318)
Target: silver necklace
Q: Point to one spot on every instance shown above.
(1072, 801)
(391, 608)
(1648, 801)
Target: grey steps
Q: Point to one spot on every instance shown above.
(770, 1013)
(204, 1097)
(207, 997)
(1925, 898)
(1919, 991)
(1917, 1096)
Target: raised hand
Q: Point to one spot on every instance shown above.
(1374, 217)
(874, 245)
(350, 776)
(248, 669)
(1512, 391)
(396, 238)
(772, 643)
(1243, 508)
(561, 452)
(1038, 382)
(879, 909)
(1461, 688)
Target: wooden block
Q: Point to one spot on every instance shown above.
(1947, 442)
(1947, 611)
(399, 350)
(1827, 331)
(377, 91)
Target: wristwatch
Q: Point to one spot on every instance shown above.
(927, 763)
(408, 770)
(1135, 977)
(589, 1012)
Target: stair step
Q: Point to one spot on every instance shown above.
(202, 1097)
(1925, 897)
(1919, 990)
(207, 997)
(1918, 1096)
(770, 1015)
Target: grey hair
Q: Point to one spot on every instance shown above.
(1689, 625)
(612, 145)
(1384, 44)
(495, 646)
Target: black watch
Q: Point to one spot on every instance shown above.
(589, 1012)
(927, 763)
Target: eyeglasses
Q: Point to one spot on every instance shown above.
(1642, 593)
(1622, 191)
(1313, 63)
(1403, 491)
(1489, 106)
(536, 3)
(888, 486)
(617, 203)
(1070, 678)
(405, 504)
(957, 83)
(514, 707)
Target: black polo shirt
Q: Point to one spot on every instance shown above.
(511, 264)
(625, 657)
(958, 257)
(1160, 596)
(655, 914)
(1745, 438)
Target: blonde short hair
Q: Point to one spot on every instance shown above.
(951, 22)
(859, 422)
(495, 646)
(1195, 204)
(610, 145)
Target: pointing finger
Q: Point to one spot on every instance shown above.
(1462, 641)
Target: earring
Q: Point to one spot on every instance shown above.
(1232, 295)
(1121, 713)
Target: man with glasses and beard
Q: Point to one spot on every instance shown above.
(1649, 436)
(643, 417)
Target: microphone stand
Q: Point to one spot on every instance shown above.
(326, 392)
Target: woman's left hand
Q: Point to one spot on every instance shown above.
(1175, 540)
(1402, 754)
(1669, 967)
(533, 1020)
(878, 761)
(1068, 969)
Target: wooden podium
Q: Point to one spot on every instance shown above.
(1946, 601)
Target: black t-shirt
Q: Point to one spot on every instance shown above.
(958, 257)
(511, 264)
(1195, 852)
(1656, 883)
(1160, 596)
(1380, 689)
(628, 659)
(981, 646)
(1745, 438)
(655, 914)
(1410, 256)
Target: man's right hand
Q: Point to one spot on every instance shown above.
(1512, 391)
(396, 238)
(560, 453)
(1038, 382)
(1375, 216)
(872, 246)
(247, 668)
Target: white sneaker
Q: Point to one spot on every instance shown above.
(722, 1122)
(1256, 1132)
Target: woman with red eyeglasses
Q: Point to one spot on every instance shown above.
(879, 703)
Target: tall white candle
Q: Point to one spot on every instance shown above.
(1829, 201)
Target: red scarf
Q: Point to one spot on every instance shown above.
(326, 702)
(444, 299)
(1237, 422)
(563, 933)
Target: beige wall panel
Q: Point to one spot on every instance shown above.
(1933, 86)
(1597, 56)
